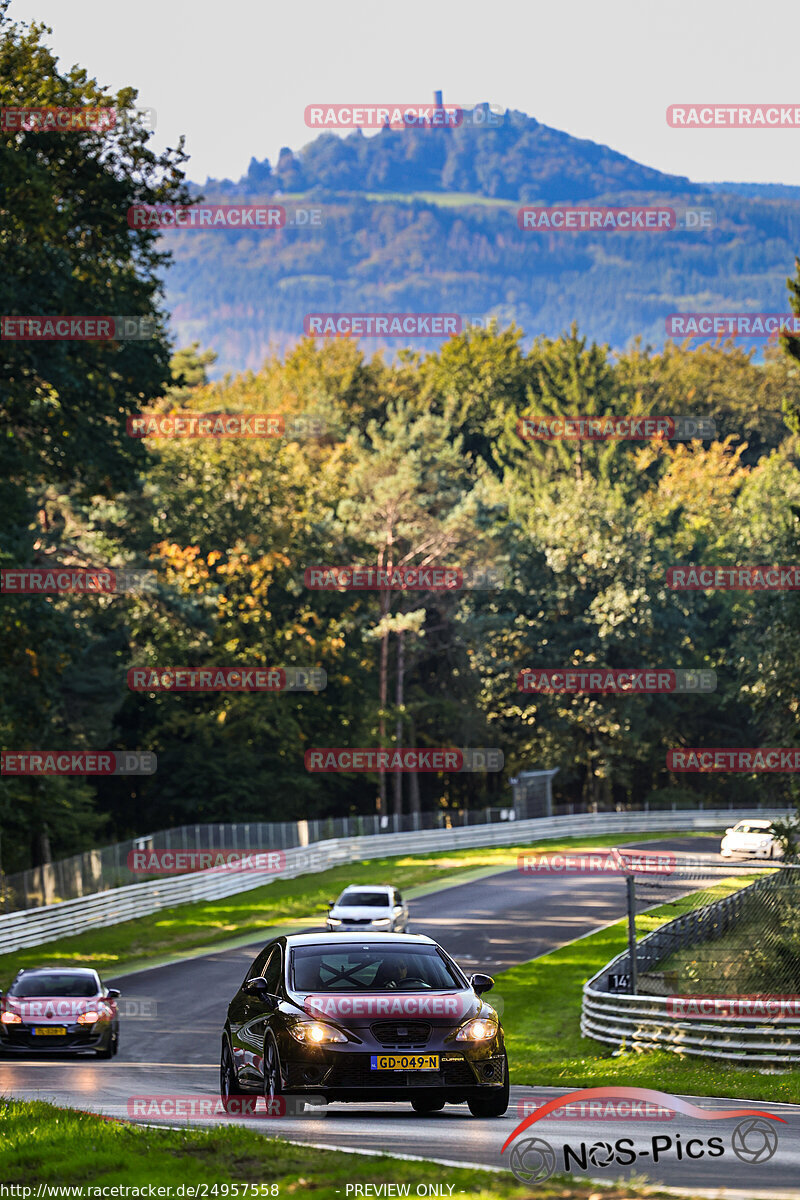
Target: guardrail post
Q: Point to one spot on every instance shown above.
(631, 884)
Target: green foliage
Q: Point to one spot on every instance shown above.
(420, 463)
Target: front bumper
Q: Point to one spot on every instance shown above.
(764, 851)
(18, 1039)
(346, 1074)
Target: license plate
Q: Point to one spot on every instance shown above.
(49, 1030)
(404, 1062)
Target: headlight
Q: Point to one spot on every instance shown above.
(381, 920)
(479, 1029)
(314, 1033)
(9, 1018)
(334, 921)
(88, 1018)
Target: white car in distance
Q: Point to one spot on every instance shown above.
(755, 839)
(377, 908)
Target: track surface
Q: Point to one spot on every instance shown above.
(172, 1046)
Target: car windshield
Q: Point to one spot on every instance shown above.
(54, 983)
(748, 827)
(365, 968)
(364, 899)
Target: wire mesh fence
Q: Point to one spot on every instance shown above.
(108, 867)
(719, 929)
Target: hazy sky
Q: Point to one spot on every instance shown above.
(235, 75)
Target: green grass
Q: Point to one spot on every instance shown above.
(541, 1017)
(190, 928)
(48, 1145)
(443, 199)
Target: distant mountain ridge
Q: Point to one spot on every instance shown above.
(516, 159)
(425, 221)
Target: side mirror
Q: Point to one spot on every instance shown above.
(481, 983)
(331, 904)
(113, 993)
(729, 830)
(256, 986)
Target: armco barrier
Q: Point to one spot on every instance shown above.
(36, 926)
(642, 1022)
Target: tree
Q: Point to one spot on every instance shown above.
(408, 502)
(68, 250)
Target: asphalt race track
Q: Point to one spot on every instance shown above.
(172, 1048)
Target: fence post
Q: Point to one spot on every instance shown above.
(631, 885)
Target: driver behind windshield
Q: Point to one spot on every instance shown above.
(315, 969)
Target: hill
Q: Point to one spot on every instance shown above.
(426, 221)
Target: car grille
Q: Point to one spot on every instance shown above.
(356, 920)
(401, 1035)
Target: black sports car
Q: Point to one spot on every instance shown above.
(59, 1008)
(364, 1017)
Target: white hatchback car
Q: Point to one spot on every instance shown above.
(379, 909)
(755, 839)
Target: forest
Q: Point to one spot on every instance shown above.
(412, 461)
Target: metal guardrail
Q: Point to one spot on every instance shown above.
(36, 926)
(106, 867)
(643, 1022)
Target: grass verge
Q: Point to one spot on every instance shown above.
(45, 1145)
(208, 924)
(542, 1012)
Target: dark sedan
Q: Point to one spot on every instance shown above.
(59, 1008)
(364, 1017)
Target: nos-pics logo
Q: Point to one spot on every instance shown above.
(533, 1159)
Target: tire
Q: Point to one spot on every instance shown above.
(423, 1107)
(110, 1049)
(492, 1103)
(230, 1092)
(272, 1072)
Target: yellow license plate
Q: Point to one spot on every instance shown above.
(405, 1062)
(49, 1030)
